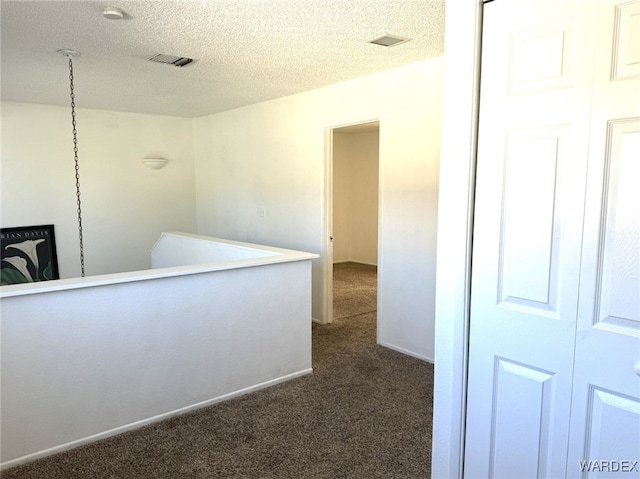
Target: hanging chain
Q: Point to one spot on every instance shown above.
(77, 165)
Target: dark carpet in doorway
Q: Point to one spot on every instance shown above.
(354, 289)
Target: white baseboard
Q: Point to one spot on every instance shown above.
(160, 417)
(407, 352)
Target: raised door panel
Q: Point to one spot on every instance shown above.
(618, 268)
(530, 229)
(521, 412)
(626, 38)
(540, 58)
(613, 433)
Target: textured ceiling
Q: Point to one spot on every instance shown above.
(246, 51)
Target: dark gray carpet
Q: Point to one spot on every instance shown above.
(354, 289)
(364, 413)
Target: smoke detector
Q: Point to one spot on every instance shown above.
(171, 60)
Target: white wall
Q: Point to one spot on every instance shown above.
(364, 196)
(125, 205)
(341, 224)
(271, 156)
(355, 196)
(96, 357)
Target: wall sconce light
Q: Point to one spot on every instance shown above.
(155, 163)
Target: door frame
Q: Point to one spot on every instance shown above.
(463, 44)
(327, 226)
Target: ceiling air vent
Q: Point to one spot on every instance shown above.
(389, 40)
(171, 60)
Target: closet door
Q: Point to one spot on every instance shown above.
(605, 412)
(557, 171)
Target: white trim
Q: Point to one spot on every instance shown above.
(277, 255)
(327, 274)
(381, 191)
(407, 352)
(327, 230)
(463, 28)
(160, 417)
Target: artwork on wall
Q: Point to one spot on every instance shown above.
(28, 254)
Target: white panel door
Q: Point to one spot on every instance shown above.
(545, 124)
(605, 416)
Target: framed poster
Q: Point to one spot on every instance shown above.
(28, 254)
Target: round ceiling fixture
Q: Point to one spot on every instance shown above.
(68, 53)
(113, 13)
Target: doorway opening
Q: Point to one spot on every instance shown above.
(354, 194)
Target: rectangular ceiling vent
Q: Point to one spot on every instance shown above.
(389, 40)
(171, 60)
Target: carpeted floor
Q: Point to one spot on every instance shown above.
(354, 289)
(364, 413)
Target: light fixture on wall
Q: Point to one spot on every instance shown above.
(113, 13)
(155, 163)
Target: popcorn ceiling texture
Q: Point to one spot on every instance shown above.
(247, 51)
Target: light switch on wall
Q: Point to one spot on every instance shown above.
(261, 212)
